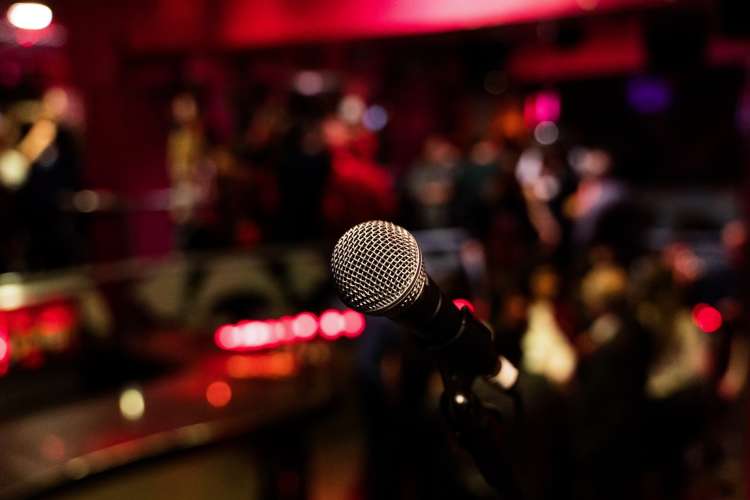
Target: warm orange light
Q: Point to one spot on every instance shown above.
(29, 15)
(132, 404)
(218, 394)
(272, 365)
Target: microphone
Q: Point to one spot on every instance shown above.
(378, 269)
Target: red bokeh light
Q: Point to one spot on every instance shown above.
(225, 337)
(707, 318)
(4, 352)
(461, 303)
(282, 331)
(56, 318)
(266, 334)
(354, 323)
(305, 325)
(218, 394)
(332, 324)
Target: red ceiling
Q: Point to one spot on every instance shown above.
(242, 23)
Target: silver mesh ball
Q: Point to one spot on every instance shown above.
(377, 268)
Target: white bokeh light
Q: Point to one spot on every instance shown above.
(29, 15)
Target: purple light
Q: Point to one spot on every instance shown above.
(649, 94)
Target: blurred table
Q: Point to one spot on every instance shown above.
(196, 407)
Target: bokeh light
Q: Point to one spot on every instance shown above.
(546, 133)
(332, 324)
(542, 107)
(132, 404)
(351, 109)
(354, 323)
(29, 15)
(648, 94)
(309, 83)
(218, 394)
(375, 118)
(707, 318)
(305, 325)
(3, 349)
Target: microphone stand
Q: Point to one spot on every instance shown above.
(483, 417)
(483, 430)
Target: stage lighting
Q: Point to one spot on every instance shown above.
(29, 15)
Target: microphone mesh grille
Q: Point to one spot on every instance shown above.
(377, 268)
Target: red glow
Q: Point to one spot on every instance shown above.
(707, 318)
(354, 323)
(33, 359)
(612, 52)
(4, 353)
(20, 321)
(461, 303)
(262, 23)
(4, 348)
(225, 337)
(218, 394)
(332, 324)
(305, 326)
(281, 331)
(56, 318)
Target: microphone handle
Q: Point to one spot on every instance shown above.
(470, 352)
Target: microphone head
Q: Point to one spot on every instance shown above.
(378, 269)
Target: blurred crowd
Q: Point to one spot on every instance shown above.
(642, 346)
(636, 350)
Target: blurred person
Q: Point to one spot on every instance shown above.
(303, 173)
(39, 170)
(359, 189)
(476, 189)
(602, 210)
(614, 352)
(483, 186)
(249, 193)
(679, 376)
(737, 366)
(429, 185)
(547, 350)
(10, 257)
(544, 184)
(490, 204)
(191, 174)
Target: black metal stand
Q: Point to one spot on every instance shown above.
(484, 429)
